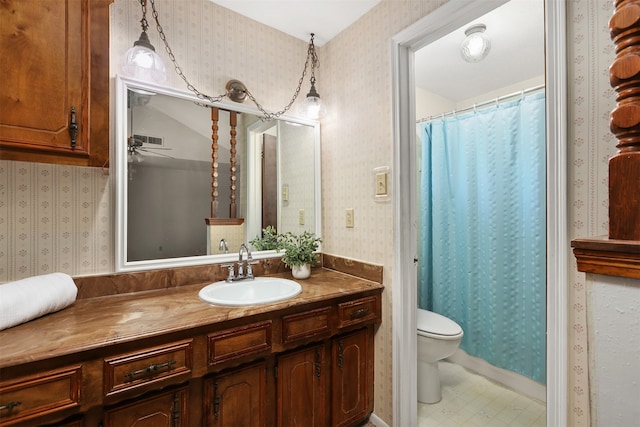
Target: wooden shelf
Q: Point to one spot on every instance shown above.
(610, 257)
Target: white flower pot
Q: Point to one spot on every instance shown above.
(301, 271)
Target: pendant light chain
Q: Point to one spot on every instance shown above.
(177, 67)
(143, 21)
(311, 57)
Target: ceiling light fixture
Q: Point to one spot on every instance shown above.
(235, 89)
(476, 45)
(141, 61)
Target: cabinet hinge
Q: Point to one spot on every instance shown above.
(318, 363)
(175, 413)
(216, 401)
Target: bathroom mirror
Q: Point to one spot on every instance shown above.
(162, 174)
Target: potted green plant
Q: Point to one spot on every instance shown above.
(269, 241)
(299, 252)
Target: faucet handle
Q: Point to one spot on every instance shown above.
(240, 270)
(250, 265)
(230, 268)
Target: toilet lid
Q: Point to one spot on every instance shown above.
(434, 323)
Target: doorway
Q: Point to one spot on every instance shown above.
(404, 45)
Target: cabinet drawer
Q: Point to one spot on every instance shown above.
(358, 311)
(314, 323)
(40, 394)
(148, 367)
(238, 342)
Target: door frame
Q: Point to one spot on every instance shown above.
(450, 16)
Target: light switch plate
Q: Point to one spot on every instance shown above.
(381, 184)
(301, 216)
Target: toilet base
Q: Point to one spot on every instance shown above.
(428, 382)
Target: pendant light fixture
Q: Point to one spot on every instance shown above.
(476, 45)
(235, 89)
(313, 104)
(141, 61)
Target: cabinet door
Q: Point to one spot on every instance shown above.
(352, 377)
(49, 76)
(301, 388)
(237, 398)
(167, 409)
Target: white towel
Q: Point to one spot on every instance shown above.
(26, 299)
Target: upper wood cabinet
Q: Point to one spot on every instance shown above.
(54, 90)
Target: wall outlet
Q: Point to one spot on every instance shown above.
(349, 218)
(301, 217)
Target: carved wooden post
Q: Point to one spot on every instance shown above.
(214, 161)
(624, 167)
(233, 122)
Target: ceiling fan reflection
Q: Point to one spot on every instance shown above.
(136, 146)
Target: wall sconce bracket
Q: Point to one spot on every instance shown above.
(236, 90)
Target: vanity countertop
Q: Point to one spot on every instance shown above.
(93, 323)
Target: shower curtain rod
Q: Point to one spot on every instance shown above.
(483, 104)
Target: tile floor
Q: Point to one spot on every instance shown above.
(470, 400)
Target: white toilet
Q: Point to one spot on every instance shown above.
(438, 337)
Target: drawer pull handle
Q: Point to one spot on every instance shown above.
(154, 367)
(9, 406)
(359, 313)
(73, 127)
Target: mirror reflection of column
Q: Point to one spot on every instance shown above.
(224, 234)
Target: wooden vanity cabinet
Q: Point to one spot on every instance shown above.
(351, 377)
(54, 90)
(166, 409)
(37, 395)
(302, 387)
(237, 397)
(307, 365)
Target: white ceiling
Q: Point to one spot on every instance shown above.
(516, 30)
(300, 18)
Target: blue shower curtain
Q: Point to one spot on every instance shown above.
(483, 231)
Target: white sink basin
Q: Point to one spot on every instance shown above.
(260, 290)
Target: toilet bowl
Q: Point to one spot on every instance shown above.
(438, 337)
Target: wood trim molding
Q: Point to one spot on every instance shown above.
(610, 257)
(224, 221)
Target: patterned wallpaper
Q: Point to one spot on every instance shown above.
(590, 52)
(59, 218)
(54, 218)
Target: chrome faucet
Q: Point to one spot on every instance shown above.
(232, 277)
(243, 248)
(223, 246)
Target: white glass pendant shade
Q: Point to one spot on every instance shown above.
(312, 106)
(476, 45)
(143, 63)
